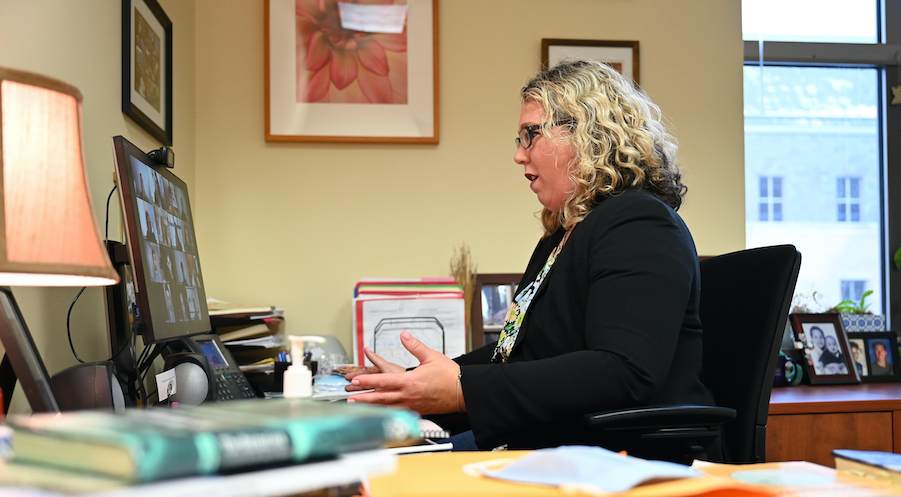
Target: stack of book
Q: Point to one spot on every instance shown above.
(876, 465)
(253, 334)
(139, 446)
(431, 309)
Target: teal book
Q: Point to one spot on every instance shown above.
(876, 465)
(144, 445)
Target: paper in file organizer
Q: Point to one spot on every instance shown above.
(438, 321)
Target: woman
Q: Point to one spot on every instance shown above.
(606, 315)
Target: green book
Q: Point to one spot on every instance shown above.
(143, 445)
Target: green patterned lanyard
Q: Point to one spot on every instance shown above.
(520, 305)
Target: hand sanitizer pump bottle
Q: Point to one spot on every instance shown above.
(298, 378)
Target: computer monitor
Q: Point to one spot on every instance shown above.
(168, 298)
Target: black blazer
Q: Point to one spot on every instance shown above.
(615, 324)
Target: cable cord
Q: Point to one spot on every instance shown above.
(127, 343)
(110, 196)
(148, 360)
(72, 305)
(69, 328)
(139, 380)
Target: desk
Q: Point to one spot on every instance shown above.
(441, 474)
(806, 422)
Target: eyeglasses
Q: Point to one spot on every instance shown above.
(528, 133)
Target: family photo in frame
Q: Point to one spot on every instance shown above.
(875, 355)
(492, 296)
(827, 352)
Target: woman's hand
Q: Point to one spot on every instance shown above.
(380, 366)
(431, 388)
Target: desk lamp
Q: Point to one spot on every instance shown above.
(48, 232)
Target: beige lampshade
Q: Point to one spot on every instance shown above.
(48, 232)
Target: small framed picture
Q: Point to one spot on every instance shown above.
(491, 299)
(620, 55)
(875, 355)
(827, 351)
(147, 67)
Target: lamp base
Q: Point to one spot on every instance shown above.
(22, 360)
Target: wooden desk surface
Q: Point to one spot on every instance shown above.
(442, 474)
(807, 399)
(807, 422)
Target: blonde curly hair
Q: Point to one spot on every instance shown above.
(617, 134)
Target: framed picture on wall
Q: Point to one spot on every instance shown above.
(147, 67)
(351, 72)
(827, 352)
(621, 55)
(875, 355)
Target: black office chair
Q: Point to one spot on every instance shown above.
(745, 299)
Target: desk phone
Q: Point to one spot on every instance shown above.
(228, 381)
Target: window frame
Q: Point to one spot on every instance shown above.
(770, 199)
(881, 56)
(856, 289)
(845, 199)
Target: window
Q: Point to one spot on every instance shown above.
(817, 80)
(770, 205)
(818, 128)
(828, 21)
(848, 200)
(853, 289)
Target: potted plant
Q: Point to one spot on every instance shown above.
(856, 316)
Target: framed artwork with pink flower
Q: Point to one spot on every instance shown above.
(351, 72)
(621, 55)
(147, 67)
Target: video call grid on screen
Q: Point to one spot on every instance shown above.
(172, 278)
(169, 251)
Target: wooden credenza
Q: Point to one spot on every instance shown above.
(806, 422)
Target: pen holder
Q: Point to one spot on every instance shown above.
(278, 380)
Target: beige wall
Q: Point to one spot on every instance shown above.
(295, 225)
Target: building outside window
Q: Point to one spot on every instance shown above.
(853, 289)
(770, 203)
(848, 199)
(816, 80)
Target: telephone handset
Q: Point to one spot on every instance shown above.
(226, 378)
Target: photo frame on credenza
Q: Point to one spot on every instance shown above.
(147, 67)
(875, 356)
(827, 353)
(492, 295)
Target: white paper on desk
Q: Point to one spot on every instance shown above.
(258, 368)
(268, 342)
(438, 321)
(592, 470)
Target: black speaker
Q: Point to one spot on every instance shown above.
(193, 382)
(92, 385)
